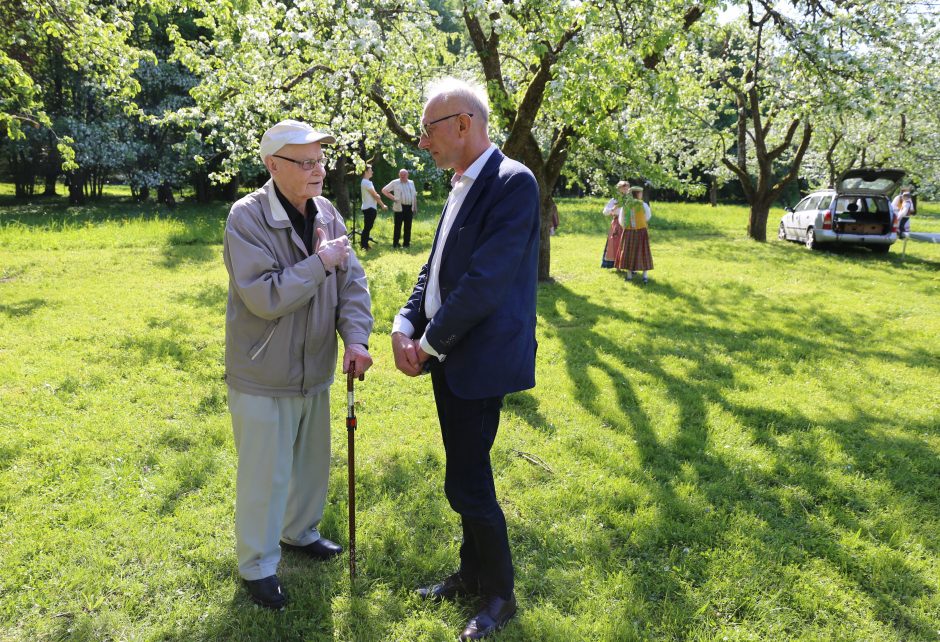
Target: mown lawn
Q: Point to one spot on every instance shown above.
(747, 448)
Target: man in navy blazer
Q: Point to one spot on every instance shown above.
(470, 322)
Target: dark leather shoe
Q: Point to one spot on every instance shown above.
(322, 549)
(493, 616)
(267, 592)
(451, 587)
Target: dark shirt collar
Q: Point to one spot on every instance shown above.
(303, 225)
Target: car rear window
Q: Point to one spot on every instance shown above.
(875, 184)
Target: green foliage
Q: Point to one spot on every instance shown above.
(313, 60)
(745, 448)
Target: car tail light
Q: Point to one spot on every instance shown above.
(895, 220)
(827, 220)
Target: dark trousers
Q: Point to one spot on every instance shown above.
(368, 220)
(468, 427)
(403, 217)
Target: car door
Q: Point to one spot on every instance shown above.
(792, 219)
(806, 217)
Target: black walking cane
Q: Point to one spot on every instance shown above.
(351, 466)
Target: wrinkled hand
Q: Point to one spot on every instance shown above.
(406, 354)
(333, 252)
(356, 359)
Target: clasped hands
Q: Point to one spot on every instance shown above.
(409, 356)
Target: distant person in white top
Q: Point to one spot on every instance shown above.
(370, 198)
(405, 205)
(904, 208)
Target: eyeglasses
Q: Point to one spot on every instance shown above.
(308, 164)
(423, 127)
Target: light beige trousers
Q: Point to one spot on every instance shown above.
(283, 446)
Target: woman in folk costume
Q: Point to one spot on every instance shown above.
(615, 233)
(634, 254)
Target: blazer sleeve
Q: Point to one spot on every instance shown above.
(509, 227)
(413, 309)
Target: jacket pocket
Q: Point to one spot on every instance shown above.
(255, 351)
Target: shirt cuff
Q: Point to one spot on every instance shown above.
(430, 350)
(403, 325)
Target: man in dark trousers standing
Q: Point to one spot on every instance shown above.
(470, 321)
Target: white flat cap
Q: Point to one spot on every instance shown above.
(290, 132)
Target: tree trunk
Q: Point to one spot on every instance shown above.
(231, 188)
(50, 181)
(336, 179)
(201, 187)
(76, 187)
(526, 150)
(757, 223)
(23, 176)
(165, 195)
(713, 192)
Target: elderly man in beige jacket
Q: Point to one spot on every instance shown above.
(294, 284)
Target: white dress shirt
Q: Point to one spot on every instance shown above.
(461, 184)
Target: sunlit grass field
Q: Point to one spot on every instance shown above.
(747, 448)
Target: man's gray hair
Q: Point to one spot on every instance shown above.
(470, 92)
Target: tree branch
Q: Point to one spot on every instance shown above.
(305, 75)
(487, 50)
(794, 164)
(691, 16)
(746, 184)
(391, 117)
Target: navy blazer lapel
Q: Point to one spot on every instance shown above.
(490, 168)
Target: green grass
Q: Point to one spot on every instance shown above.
(748, 448)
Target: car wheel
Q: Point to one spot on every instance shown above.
(811, 239)
(782, 232)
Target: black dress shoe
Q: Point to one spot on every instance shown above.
(451, 587)
(493, 616)
(322, 549)
(267, 592)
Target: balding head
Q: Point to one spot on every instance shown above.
(460, 95)
(453, 125)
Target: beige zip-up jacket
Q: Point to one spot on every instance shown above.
(284, 309)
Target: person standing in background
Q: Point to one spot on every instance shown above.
(904, 209)
(615, 230)
(635, 254)
(404, 198)
(370, 198)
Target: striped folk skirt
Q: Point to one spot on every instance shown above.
(612, 247)
(635, 252)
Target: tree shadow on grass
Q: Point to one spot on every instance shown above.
(168, 340)
(8, 455)
(526, 406)
(175, 256)
(213, 296)
(22, 308)
(707, 353)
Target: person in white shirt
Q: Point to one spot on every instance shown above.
(904, 209)
(370, 198)
(404, 198)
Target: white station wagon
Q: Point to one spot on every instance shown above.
(857, 212)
